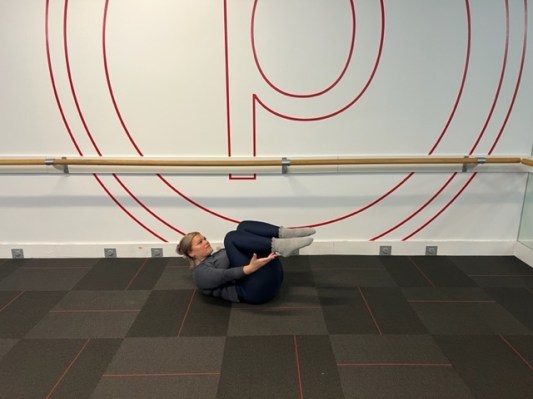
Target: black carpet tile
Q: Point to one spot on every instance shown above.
(489, 365)
(341, 327)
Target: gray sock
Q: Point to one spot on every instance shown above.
(289, 233)
(288, 246)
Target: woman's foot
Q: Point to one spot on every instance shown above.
(289, 246)
(285, 232)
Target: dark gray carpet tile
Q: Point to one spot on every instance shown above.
(5, 345)
(488, 366)
(391, 312)
(374, 349)
(522, 346)
(318, 370)
(8, 297)
(164, 314)
(483, 265)
(36, 278)
(91, 314)
(301, 262)
(206, 316)
(297, 272)
(102, 301)
(422, 294)
(405, 272)
(295, 311)
(32, 368)
(260, 367)
(157, 387)
(178, 367)
(440, 271)
(496, 271)
(84, 324)
(175, 277)
(345, 311)
(511, 281)
(353, 278)
(292, 296)
(467, 317)
(345, 261)
(177, 261)
(25, 310)
(350, 271)
(161, 355)
(112, 274)
(86, 370)
(53, 263)
(395, 366)
(7, 267)
(403, 382)
(517, 301)
(149, 274)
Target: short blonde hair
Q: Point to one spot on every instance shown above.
(185, 245)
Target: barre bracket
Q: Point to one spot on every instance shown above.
(285, 163)
(63, 167)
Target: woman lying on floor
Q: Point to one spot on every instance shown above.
(247, 269)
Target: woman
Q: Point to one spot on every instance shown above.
(247, 269)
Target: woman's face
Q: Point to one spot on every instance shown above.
(200, 248)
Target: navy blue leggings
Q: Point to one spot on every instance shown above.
(254, 237)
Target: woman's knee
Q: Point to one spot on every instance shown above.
(244, 225)
(229, 238)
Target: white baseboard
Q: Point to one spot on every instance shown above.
(524, 253)
(141, 250)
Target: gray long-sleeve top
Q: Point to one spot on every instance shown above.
(214, 276)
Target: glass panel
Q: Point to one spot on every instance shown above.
(525, 236)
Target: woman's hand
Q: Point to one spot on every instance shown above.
(257, 263)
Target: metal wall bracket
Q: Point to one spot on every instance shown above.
(431, 250)
(157, 252)
(17, 253)
(63, 168)
(285, 163)
(465, 165)
(110, 252)
(385, 250)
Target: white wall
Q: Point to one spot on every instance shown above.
(277, 78)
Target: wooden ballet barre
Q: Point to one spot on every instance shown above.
(528, 162)
(260, 162)
(249, 166)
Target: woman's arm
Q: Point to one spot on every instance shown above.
(257, 263)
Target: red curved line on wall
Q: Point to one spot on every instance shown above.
(480, 135)
(463, 80)
(441, 210)
(60, 106)
(52, 78)
(146, 208)
(429, 201)
(110, 194)
(504, 123)
(286, 93)
(196, 204)
(354, 100)
(89, 134)
(517, 86)
(110, 88)
(126, 130)
(500, 83)
(443, 132)
(364, 208)
(71, 82)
